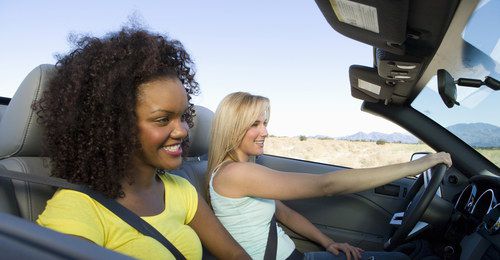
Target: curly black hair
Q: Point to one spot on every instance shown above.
(88, 109)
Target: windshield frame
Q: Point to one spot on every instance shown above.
(464, 60)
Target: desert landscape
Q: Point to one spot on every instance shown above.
(355, 154)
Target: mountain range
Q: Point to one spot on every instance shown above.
(475, 134)
(375, 136)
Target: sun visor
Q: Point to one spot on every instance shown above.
(380, 23)
(367, 85)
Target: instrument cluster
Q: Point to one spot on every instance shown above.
(479, 202)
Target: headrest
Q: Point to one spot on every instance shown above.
(20, 132)
(22, 135)
(199, 135)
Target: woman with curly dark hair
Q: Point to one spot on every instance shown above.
(116, 116)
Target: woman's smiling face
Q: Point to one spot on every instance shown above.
(253, 141)
(161, 106)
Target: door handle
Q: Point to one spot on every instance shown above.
(388, 190)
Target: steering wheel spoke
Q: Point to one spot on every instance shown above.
(397, 219)
(408, 223)
(421, 225)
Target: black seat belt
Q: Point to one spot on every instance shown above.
(125, 214)
(272, 242)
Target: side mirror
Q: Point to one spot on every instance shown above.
(418, 155)
(447, 88)
(427, 173)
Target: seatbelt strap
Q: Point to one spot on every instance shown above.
(272, 242)
(125, 214)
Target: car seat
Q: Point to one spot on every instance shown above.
(195, 164)
(21, 149)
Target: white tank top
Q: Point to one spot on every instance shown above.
(248, 219)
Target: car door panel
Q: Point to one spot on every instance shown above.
(361, 219)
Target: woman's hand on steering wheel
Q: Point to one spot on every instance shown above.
(419, 204)
(437, 158)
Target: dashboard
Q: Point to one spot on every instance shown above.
(478, 218)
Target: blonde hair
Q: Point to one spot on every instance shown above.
(234, 116)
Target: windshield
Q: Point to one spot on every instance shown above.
(476, 119)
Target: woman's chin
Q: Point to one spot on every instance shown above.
(172, 164)
(257, 153)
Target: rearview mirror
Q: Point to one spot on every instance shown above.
(447, 88)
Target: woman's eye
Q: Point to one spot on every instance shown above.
(162, 120)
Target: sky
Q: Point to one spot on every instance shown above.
(284, 50)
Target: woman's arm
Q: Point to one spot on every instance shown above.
(300, 225)
(250, 179)
(213, 235)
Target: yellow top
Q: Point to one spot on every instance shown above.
(75, 213)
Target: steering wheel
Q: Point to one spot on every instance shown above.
(416, 205)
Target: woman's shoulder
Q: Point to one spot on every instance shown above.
(72, 196)
(70, 204)
(66, 201)
(236, 168)
(238, 173)
(74, 213)
(231, 166)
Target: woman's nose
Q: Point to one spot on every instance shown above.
(264, 131)
(180, 131)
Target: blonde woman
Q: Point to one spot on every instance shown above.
(245, 195)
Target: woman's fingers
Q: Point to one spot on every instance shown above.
(359, 251)
(437, 158)
(351, 252)
(444, 157)
(447, 159)
(332, 250)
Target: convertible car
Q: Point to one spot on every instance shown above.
(435, 72)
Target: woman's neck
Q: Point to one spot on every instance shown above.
(140, 180)
(242, 157)
(143, 193)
